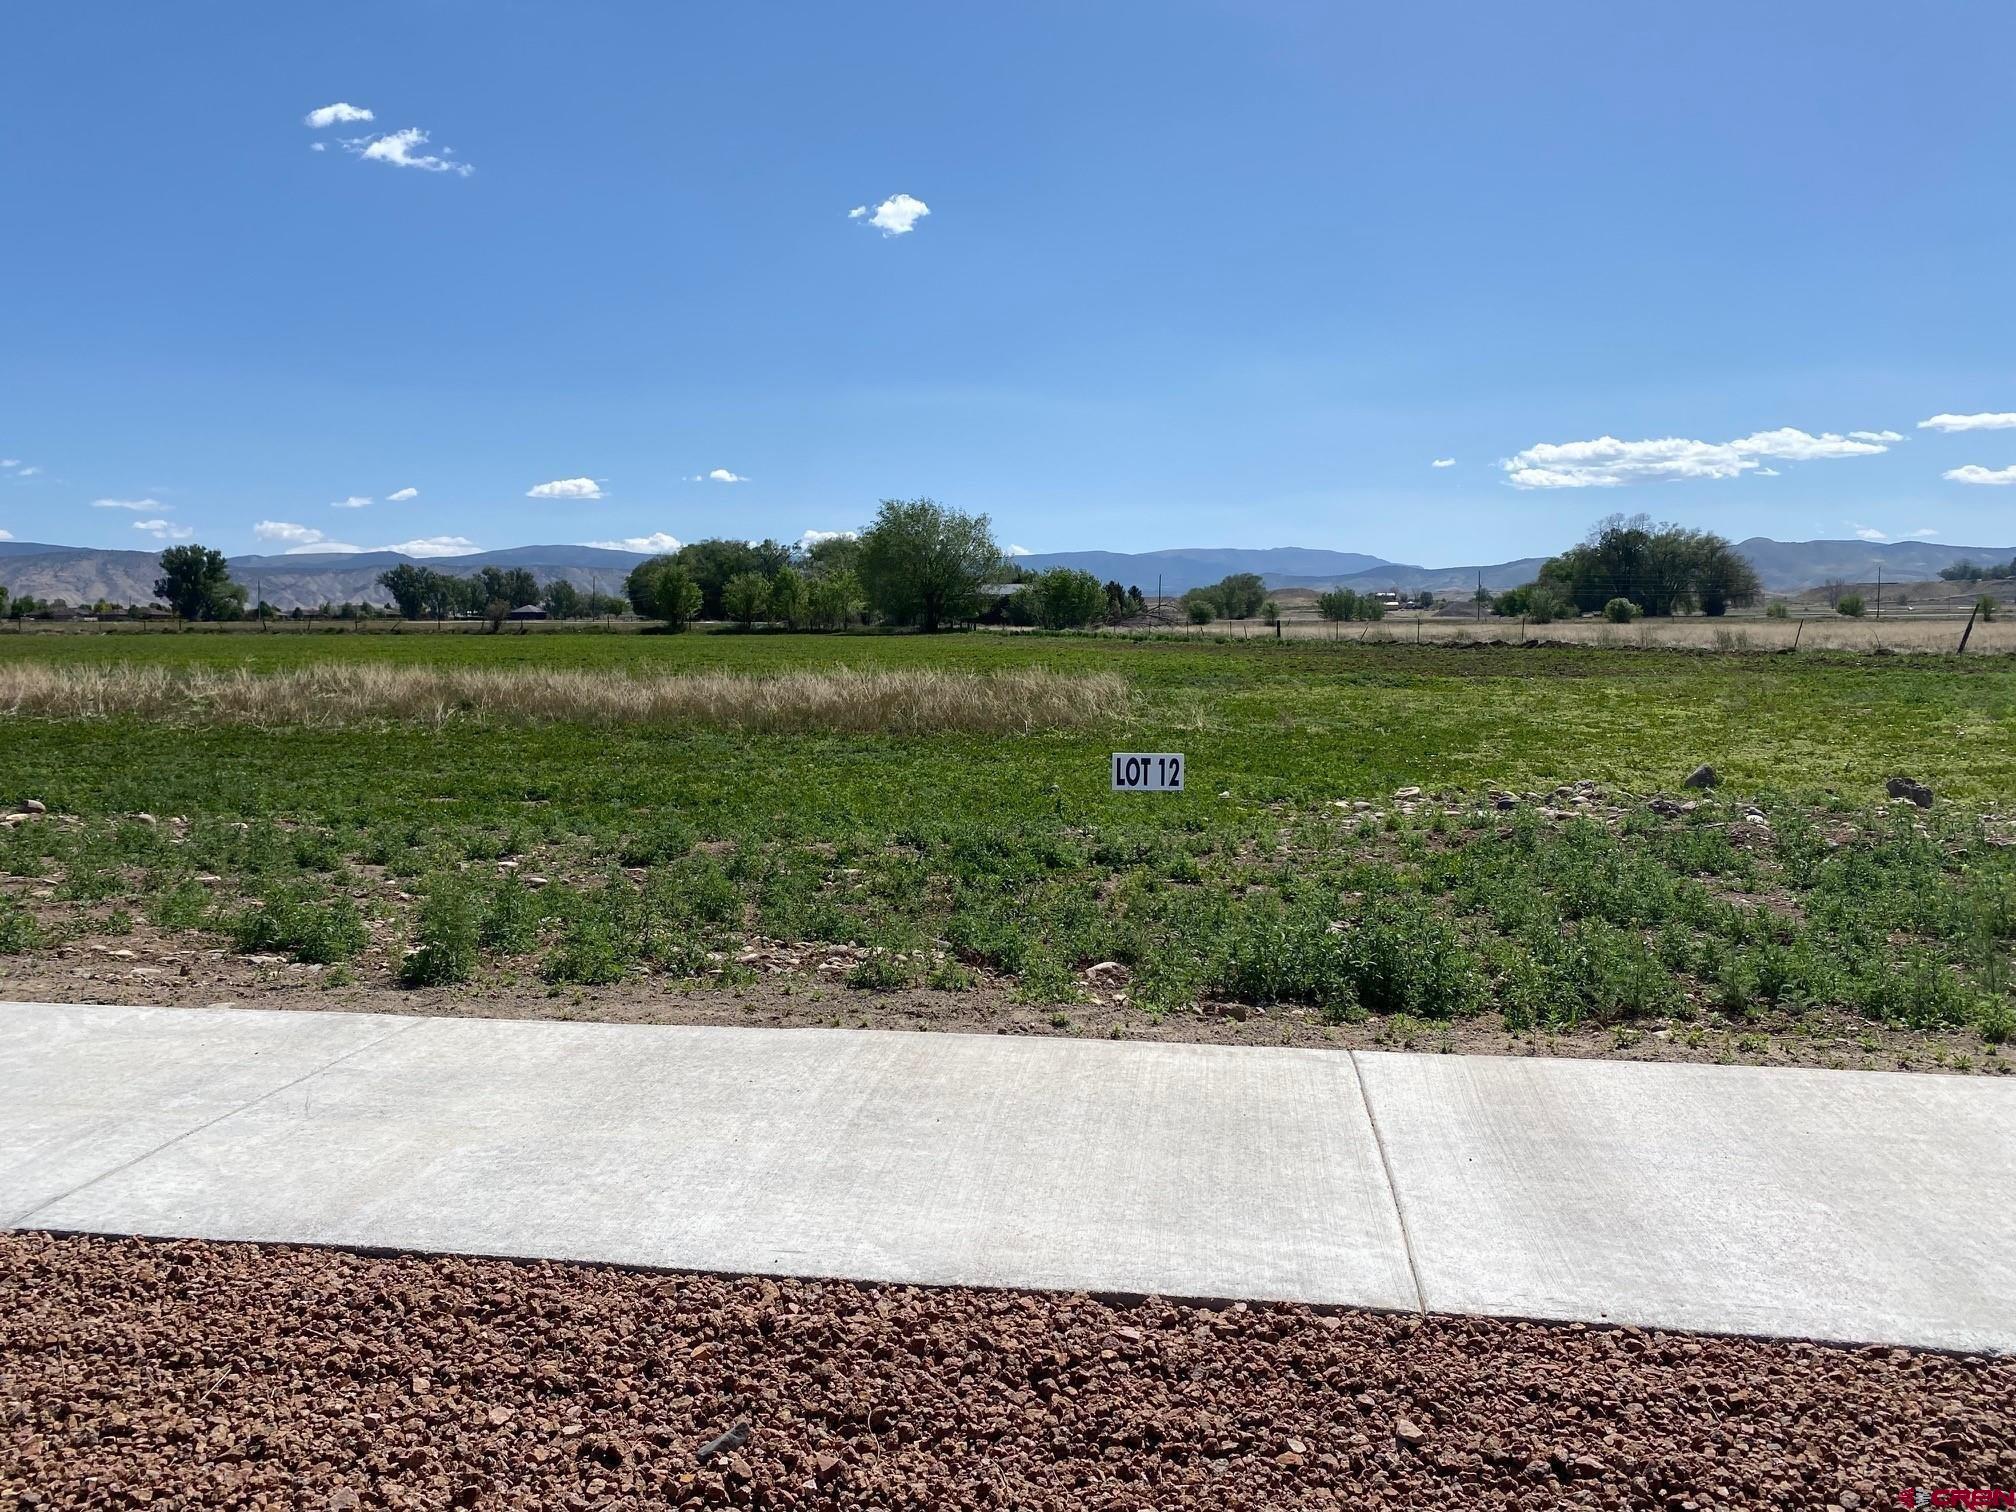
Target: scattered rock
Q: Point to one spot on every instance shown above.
(1703, 776)
(1407, 1431)
(1407, 792)
(34, 806)
(1905, 787)
(733, 1439)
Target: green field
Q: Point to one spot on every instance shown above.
(948, 853)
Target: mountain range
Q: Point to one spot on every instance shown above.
(83, 574)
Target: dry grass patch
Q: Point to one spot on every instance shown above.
(844, 699)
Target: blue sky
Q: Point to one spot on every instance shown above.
(1191, 274)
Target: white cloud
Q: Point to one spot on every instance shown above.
(814, 537)
(330, 115)
(396, 148)
(434, 546)
(657, 541)
(287, 530)
(1016, 551)
(164, 530)
(318, 146)
(10, 461)
(1924, 534)
(142, 505)
(1870, 533)
(895, 216)
(566, 488)
(2004, 421)
(721, 475)
(1608, 462)
(27, 472)
(402, 495)
(1443, 462)
(6, 535)
(1885, 435)
(355, 501)
(2001, 477)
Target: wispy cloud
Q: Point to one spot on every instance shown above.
(27, 472)
(1016, 551)
(400, 149)
(566, 488)
(400, 496)
(720, 475)
(2003, 421)
(163, 530)
(658, 540)
(895, 216)
(1871, 533)
(355, 501)
(1608, 462)
(1443, 462)
(1883, 435)
(1999, 477)
(140, 505)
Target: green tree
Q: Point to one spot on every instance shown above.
(563, 600)
(442, 594)
(196, 583)
(746, 598)
(787, 597)
(663, 589)
(833, 599)
(1200, 610)
(1239, 596)
(1337, 605)
(714, 561)
(514, 585)
(1621, 611)
(922, 564)
(1722, 576)
(1850, 604)
(1065, 598)
(835, 553)
(408, 586)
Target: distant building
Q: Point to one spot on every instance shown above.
(527, 612)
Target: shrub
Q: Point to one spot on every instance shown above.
(447, 941)
(591, 954)
(18, 930)
(1985, 607)
(296, 922)
(1851, 605)
(1777, 609)
(1621, 611)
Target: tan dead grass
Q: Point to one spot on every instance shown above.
(845, 699)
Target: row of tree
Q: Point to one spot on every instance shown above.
(1964, 571)
(424, 593)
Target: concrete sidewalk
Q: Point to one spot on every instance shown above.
(1869, 1207)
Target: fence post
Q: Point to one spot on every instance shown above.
(1970, 627)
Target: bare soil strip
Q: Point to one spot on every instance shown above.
(183, 1374)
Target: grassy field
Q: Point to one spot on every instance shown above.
(559, 844)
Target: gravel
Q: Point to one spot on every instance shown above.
(183, 1374)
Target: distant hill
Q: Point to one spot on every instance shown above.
(1789, 566)
(83, 574)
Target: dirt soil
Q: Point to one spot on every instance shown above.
(180, 1374)
(798, 987)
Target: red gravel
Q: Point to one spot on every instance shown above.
(181, 1374)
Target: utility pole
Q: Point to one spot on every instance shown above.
(1879, 591)
(1480, 595)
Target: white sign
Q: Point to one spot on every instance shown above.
(1159, 772)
